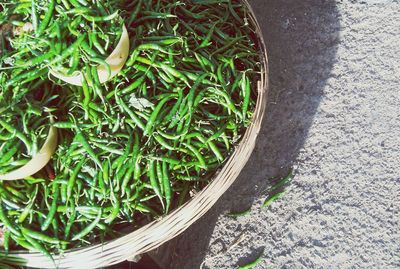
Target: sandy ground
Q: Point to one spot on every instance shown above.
(333, 115)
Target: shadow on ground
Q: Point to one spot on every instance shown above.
(300, 35)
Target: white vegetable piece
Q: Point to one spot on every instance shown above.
(116, 61)
(38, 161)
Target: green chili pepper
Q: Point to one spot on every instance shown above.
(246, 99)
(38, 247)
(34, 16)
(39, 236)
(154, 182)
(81, 139)
(4, 219)
(53, 208)
(154, 114)
(49, 14)
(167, 186)
(101, 18)
(88, 229)
(253, 264)
(73, 177)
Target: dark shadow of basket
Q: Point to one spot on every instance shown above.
(302, 39)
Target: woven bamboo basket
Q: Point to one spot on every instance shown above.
(162, 230)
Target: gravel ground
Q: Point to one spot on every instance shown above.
(333, 115)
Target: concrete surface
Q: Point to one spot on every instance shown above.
(333, 115)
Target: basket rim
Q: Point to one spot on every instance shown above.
(117, 250)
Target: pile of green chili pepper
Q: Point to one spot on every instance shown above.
(131, 149)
